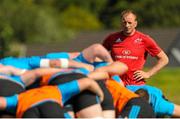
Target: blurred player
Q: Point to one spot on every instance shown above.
(132, 48)
(160, 105)
(41, 99)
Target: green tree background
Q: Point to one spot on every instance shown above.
(42, 21)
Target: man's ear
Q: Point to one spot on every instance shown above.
(136, 23)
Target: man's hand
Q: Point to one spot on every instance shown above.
(139, 75)
(89, 67)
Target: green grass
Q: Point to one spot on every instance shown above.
(168, 80)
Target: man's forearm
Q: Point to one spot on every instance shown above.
(162, 61)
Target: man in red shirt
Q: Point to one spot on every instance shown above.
(132, 47)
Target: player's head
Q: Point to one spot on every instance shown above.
(128, 22)
(127, 12)
(143, 93)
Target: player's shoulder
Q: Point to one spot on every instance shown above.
(112, 34)
(143, 35)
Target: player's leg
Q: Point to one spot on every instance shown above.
(176, 112)
(93, 111)
(96, 50)
(166, 107)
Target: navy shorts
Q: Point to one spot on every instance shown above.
(137, 108)
(42, 111)
(9, 88)
(85, 98)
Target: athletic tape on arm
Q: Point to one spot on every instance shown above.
(64, 63)
(44, 63)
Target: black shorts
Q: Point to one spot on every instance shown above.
(88, 98)
(46, 110)
(9, 88)
(107, 103)
(63, 78)
(36, 84)
(85, 98)
(137, 108)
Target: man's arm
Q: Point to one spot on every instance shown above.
(31, 76)
(75, 64)
(2, 103)
(115, 68)
(64, 63)
(10, 70)
(9, 102)
(162, 61)
(98, 75)
(91, 85)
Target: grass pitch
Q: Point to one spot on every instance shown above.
(168, 80)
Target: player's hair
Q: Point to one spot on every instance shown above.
(128, 11)
(143, 93)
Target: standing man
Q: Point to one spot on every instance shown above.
(132, 47)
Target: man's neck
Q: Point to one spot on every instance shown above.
(129, 34)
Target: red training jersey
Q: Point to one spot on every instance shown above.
(131, 50)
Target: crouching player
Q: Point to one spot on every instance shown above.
(37, 102)
(162, 107)
(127, 103)
(86, 101)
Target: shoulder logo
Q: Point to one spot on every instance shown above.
(138, 40)
(118, 40)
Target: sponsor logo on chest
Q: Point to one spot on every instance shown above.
(126, 52)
